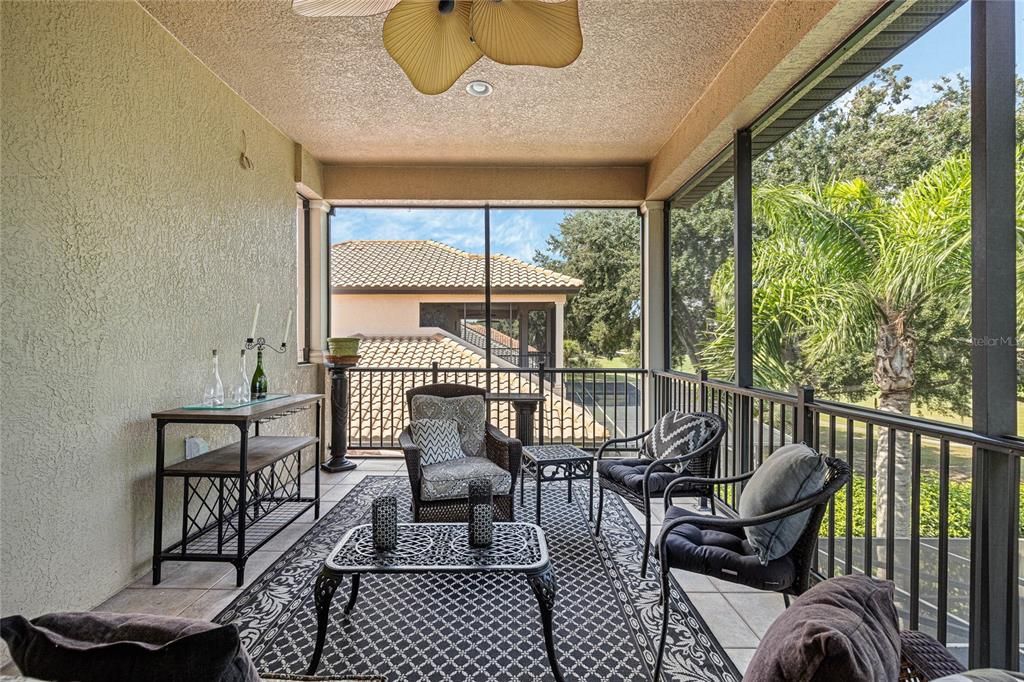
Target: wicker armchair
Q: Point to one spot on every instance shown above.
(789, 575)
(503, 450)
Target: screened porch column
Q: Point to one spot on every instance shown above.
(654, 240)
(994, 527)
(319, 227)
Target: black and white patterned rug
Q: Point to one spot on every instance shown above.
(481, 626)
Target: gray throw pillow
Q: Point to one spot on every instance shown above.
(841, 629)
(677, 434)
(438, 440)
(469, 411)
(116, 647)
(790, 474)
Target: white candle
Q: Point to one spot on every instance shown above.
(255, 318)
(288, 327)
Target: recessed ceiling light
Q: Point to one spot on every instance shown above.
(479, 88)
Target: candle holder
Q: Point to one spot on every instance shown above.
(385, 523)
(481, 513)
(261, 343)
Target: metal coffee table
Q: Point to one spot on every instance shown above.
(438, 548)
(545, 463)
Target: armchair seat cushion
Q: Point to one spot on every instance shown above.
(450, 480)
(725, 555)
(629, 474)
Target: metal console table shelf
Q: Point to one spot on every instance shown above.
(239, 496)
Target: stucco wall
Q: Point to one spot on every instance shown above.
(132, 243)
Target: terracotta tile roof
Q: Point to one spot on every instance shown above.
(377, 415)
(419, 264)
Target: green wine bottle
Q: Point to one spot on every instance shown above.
(259, 379)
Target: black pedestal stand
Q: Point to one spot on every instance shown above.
(339, 420)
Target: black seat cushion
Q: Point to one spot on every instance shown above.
(629, 474)
(724, 555)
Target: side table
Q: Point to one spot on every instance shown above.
(544, 463)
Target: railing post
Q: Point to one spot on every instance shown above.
(805, 415)
(540, 405)
(433, 371)
(703, 378)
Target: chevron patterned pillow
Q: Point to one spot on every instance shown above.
(677, 434)
(437, 439)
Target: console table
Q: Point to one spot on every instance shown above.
(238, 496)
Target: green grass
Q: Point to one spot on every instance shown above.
(959, 508)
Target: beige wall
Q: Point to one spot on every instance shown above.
(132, 243)
(399, 314)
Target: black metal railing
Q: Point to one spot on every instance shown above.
(583, 407)
(904, 516)
(531, 359)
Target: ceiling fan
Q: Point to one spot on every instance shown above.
(436, 41)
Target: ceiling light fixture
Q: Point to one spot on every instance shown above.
(436, 41)
(479, 88)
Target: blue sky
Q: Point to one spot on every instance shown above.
(943, 51)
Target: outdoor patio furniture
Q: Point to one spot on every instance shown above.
(546, 463)
(517, 548)
(717, 546)
(638, 480)
(502, 450)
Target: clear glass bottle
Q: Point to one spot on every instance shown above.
(213, 391)
(240, 393)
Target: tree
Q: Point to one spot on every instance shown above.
(602, 248)
(841, 271)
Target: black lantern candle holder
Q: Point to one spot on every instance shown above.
(385, 524)
(481, 513)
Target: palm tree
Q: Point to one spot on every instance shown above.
(840, 272)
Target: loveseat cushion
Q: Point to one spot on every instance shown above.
(792, 473)
(116, 647)
(843, 628)
(469, 411)
(450, 480)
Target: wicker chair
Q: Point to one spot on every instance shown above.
(922, 658)
(503, 450)
(789, 574)
(650, 477)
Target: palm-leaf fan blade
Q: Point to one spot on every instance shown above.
(341, 8)
(431, 42)
(528, 31)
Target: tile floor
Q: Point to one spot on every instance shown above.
(738, 616)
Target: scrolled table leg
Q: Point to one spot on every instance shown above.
(323, 593)
(544, 588)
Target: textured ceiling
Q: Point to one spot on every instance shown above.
(328, 83)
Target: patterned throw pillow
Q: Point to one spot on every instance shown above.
(677, 434)
(469, 411)
(437, 439)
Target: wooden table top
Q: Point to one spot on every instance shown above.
(241, 414)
